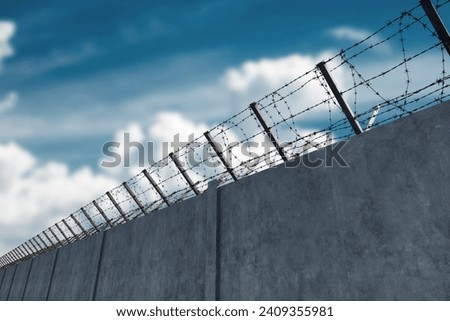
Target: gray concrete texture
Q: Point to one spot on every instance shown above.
(2, 274)
(376, 230)
(157, 257)
(40, 277)
(76, 281)
(7, 281)
(20, 281)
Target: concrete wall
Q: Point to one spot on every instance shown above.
(7, 281)
(376, 230)
(76, 281)
(161, 256)
(41, 276)
(2, 274)
(20, 281)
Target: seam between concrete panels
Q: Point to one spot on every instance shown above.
(3, 277)
(12, 281)
(51, 276)
(210, 288)
(218, 238)
(26, 281)
(99, 266)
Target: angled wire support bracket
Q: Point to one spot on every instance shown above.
(79, 224)
(117, 206)
(273, 139)
(90, 219)
(102, 213)
(219, 153)
(341, 101)
(70, 229)
(437, 23)
(183, 172)
(156, 187)
(136, 200)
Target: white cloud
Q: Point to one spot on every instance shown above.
(7, 30)
(270, 73)
(168, 124)
(162, 129)
(33, 196)
(9, 102)
(349, 33)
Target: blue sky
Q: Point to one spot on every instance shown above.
(75, 74)
(78, 59)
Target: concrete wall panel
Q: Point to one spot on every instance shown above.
(7, 281)
(157, 257)
(40, 277)
(2, 274)
(20, 281)
(76, 270)
(377, 230)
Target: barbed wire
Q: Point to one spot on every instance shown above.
(301, 116)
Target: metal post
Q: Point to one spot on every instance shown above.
(90, 219)
(18, 253)
(273, 139)
(34, 247)
(79, 224)
(70, 229)
(45, 244)
(183, 172)
(15, 256)
(220, 154)
(99, 209)
(26, 250)
(22, 253)
(138, 202)
(9, 258)
(22, 249)
(342, 103)
(56, 238)
(156, 187)
(29, 247)
(117, 206)
(62, 233)
(49, 239)
(38, 245)
(437, 23)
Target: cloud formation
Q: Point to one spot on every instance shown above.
(7, 30)
(34, 195)
(349, 33)
(9, 102)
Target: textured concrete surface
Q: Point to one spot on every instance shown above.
(212, 231)
(2, 274)
(377, 230)
(20, 280)
(40, 277)
(157, 257)
(6, 284)
(76, 281)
